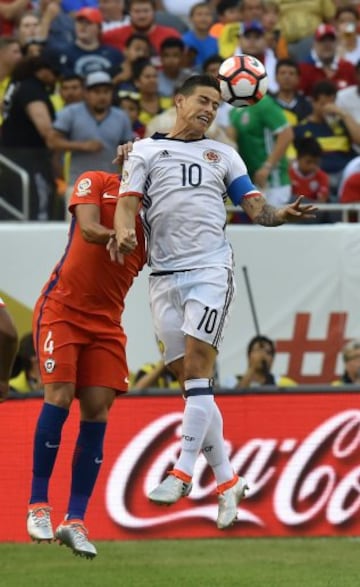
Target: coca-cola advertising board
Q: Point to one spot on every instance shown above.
(298, 451)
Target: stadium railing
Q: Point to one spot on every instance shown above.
(11, 167)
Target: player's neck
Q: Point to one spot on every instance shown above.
(185, 133)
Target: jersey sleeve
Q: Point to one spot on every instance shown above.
(135, 172)
(88, 189)
(237, 179)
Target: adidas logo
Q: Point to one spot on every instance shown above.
(164, 154)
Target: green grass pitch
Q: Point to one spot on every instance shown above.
(261, 562)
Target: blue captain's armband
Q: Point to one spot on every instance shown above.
(239, 188)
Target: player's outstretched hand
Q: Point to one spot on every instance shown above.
(297, 211)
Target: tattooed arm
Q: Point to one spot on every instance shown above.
(260, 212)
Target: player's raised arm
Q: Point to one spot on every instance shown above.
(260, 212)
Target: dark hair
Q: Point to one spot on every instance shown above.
(131, 2)
(210, 60)
(224, 5)
(323, 88)
(196, 6)
(308, 146)
(171, 43)
(343, 9)
(27, 67)
(194, 81)
(139, 65)
(260, 339)
(70, 77)
(137, 37)
(287, 62)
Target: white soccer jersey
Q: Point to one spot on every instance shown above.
(184, 186)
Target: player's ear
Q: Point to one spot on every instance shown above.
(179, 100)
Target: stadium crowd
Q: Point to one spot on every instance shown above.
(78, 76)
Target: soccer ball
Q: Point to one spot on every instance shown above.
(243, 80)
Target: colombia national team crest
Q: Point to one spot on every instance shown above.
(211, 156)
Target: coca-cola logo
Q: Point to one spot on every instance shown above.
(303, 477)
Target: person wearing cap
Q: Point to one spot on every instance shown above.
(252, 41)
(91, 129)
(88, 53)
(323, 62)
(299, 20)
(351, 359)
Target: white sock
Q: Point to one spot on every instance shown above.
(214, 449)
(197, 417)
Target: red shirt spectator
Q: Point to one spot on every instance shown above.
(314, 186)
(323, 64)
(142, 16)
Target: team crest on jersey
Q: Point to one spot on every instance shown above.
(83, 187)
(49, 365)
(124, 176)
(211, 156)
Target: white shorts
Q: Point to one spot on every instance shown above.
(194, 303)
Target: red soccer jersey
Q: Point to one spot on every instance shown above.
(85, 278)
(314, 186)
(117, 37)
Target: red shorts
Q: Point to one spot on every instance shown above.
(85, 349)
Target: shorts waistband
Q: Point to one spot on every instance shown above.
(160, 273)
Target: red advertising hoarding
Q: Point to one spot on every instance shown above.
(298, 451)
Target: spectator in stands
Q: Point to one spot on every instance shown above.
(323, 63)
(137, 46)
(28, 27)
(10, 13)
(72, 6)
(154, 375)
(274, 37)
(142, 20)
(146, 82)
(8, 348)
(91, 129)
(130, 103)
(71, 89)
(252, 40)
(346, 23)
(57, 28)
(28, 114)
(198, 37)
(295, 105)
(10, 55)
(335, 130)
(25, 376)
(349, 190)
(226, 29)
(172, 73)
(298, 22)
(222, 119)
(260, 354)
(87, 54)
(306, 177)
(114, 16)
(348, 99)
(263, 135)
(351, 359)
(228, 12)
(180, 8)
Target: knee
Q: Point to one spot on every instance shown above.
(59, 394)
